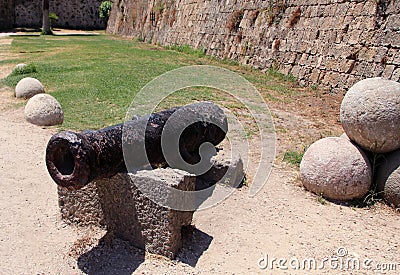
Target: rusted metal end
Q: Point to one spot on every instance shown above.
(68, 159)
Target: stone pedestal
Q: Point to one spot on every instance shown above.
(127, 213)
(117, 204)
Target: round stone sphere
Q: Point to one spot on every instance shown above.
(20, 67)
(337, 169)
(388, 178)
(370, 114)
(44, 110)
(28, 87)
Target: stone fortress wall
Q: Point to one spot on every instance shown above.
(6, 14)
(330, 43)
(77, 14)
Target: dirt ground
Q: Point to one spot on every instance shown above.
(235, 237)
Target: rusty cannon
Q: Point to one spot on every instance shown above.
(75, 159)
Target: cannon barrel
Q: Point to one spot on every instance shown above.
(75, 159)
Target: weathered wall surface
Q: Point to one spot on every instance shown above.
(6, 14)
(331, 43)
(27, 13)
(79, 14)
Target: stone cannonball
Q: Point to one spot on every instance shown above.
(388, 178)
(20, 66)
(28, 87)
(370, 114)
(337, 169)
(44, 110)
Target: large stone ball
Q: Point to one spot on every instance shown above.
(388, 178)
(28, 87)
(337, 169)
(370, 114)
(44, 110)
(20, 67)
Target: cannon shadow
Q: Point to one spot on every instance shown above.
(116, 256)
(194, 243)
(111, 256)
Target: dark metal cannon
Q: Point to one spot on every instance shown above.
(75, 159)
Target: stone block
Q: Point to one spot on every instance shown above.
(81, 207)
(391, 56)
(342, 9)
(339, 37)
(361, 68)
(396, 75)
(321, 63)
(393, 7)
(314, 77)
(381, 55)
(332, 78)
(296, 70)
(331, 10)
(377, 69)
(351, 80)
(358, 9)
(342, 80)
(303, 59)
(367, 54)
(313, 11)
(387, 72)
(369, 8)
(285, 69)
(331, 63)
(131, 215)
(225, 170)
(312, 61)
(347, 66)
(366, 23)
(353, 37)
(127, 213)
(393, 38)
(328, 23)
(396, 58)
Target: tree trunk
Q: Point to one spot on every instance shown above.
(46, 28)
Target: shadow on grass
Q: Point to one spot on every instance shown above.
(17, 32)
(24, 30)
(28, 32)
(75, 34)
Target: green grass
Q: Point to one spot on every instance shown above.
(187, 49)
(28, 69)
(294, 157)
(95, 78)
(369, 200)
(321, 200)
